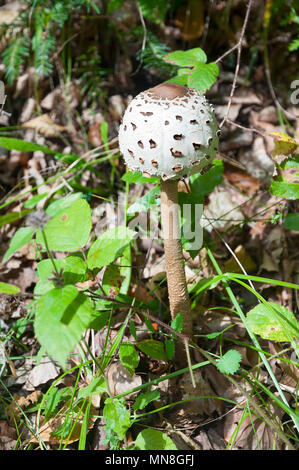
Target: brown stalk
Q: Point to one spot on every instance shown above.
(179, 300)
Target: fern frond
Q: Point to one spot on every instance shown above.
(152, 55)
(14, 56)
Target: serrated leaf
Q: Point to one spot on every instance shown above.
(273, 321)
(229, 363)
(109, 246)
(69, 230)
(152, 439)
(61, 317)
(21, 237)
(203, 76)
(188, 58)
(152, 348)
(284, 144)
(117, 417)
(8, 288)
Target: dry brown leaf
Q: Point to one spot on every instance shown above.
(249, 432)
(45, 125)
(245, 260)
(23, 403)
(221, 212)
(243, 181)
(120, 379)
(46, 430)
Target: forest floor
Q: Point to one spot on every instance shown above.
(243, 220)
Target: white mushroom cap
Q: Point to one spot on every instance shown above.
(169, 131)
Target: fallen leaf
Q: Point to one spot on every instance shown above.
(249, 432)
(45, 125)
(120, 379)
(284, 144)
(245, 260)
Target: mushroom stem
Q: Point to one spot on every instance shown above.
(174, 262)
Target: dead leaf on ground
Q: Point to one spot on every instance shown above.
(45, 125)
(249, 432)
(120, 379)
(46, 430)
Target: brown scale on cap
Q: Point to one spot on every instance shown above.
(168, 91)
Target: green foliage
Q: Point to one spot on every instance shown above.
(14, 56)
(152, 348)
(128, 356)
(69, 230)
(91, 74)
(292, 222)
(194, 71)
(229, 363)
(62, 315)
(273, 321)
(117, 418)
(20, 238)
(47, 19)
(145, 398)
(152, 439)
(109, 246)
(8, 288)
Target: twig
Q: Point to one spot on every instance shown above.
(239, 47)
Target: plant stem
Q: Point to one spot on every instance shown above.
(252, 336)
(174, 262)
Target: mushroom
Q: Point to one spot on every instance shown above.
(170, 131)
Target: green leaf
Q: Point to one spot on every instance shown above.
(145, 203)
(229, 363)
(96, 386)
(58, 206)
(152, 439)
(21, 237)
(109, 246)
(62, 315)
(284, 144)
(112, 280)
(201, 185)
(292, 222)
(128, 356)
(169, 348)
(8, 288)
(203, 76)
(138, 178)
(152, 348)
(145, 398)
(11, 143)
(188, 58)
(177, 323)
(69, 230)
(284, 189)
(12, 217)
(99, 320)
(31, 203)
(117, 416)
(273, 321)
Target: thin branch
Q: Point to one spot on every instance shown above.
(239, 47)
